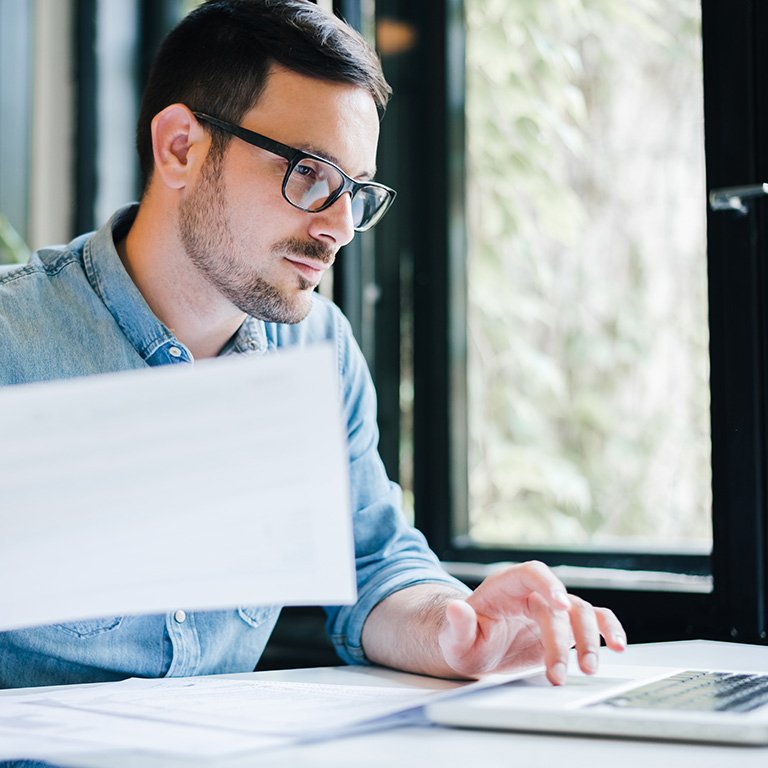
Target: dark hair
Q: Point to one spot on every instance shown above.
(218, 58)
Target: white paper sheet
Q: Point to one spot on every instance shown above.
(269, 708)
(205, 717)
(215, 485)
(36, 729)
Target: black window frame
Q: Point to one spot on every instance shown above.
(430, 238)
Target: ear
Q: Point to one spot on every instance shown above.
(179, 144)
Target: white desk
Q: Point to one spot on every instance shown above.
(445, 747)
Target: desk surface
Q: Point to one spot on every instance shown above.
(434, 745)
(454, 747)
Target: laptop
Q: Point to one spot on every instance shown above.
(685, 704)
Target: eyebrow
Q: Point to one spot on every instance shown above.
(365, 176)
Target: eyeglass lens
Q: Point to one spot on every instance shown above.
(312, 182)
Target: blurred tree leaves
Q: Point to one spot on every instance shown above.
(587, 271)
(13, 249)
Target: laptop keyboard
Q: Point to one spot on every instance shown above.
(698, 691)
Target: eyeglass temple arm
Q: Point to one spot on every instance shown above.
(251, 137)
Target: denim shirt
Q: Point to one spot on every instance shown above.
(74, 311)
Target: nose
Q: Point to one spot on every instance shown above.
(334, 225)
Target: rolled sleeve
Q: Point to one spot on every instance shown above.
(390, 554)
(345, 624)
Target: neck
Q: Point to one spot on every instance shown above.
(175, 291)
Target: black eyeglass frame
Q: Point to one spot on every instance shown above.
(294, 157)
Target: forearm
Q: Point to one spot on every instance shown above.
(402, 631)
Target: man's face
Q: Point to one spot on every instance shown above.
(244, 238)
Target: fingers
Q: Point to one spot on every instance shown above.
(581, 626)
(611, 629)
(516, 583)
(556, 635)
(561, 630)
(523, 616)
(460, 628)
(586, 634)
(562, 620)
(458, 634)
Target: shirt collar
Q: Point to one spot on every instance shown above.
(151, 338)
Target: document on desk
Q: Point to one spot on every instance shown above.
(33, 728)
(272, 709)
(206, 717)
(214, 485)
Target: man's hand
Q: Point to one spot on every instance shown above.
(521, 617)
(517, 618)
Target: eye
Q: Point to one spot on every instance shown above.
(310, 170)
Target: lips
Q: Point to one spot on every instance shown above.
(310, 268)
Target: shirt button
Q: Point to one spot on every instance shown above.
(174, 352)
(252, 344)
(180, 616)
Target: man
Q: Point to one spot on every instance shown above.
(257, 141)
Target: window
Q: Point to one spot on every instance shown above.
(117, 41)
(15, 107)
(588, 360)
(547, 424)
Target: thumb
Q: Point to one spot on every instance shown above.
(459, 631)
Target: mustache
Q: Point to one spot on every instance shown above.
(313, 250)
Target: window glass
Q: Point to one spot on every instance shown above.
(588, 341)
(117, 110)
(15, 108)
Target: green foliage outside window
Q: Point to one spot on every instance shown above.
(588, 341)
(13, 249)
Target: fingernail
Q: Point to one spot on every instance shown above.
(620, 640)
(558, 673)
(589, 663)
(561, 598)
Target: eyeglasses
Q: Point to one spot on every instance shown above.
(313, 184)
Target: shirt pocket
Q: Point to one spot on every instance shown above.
(255, 616)
(90, 627)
